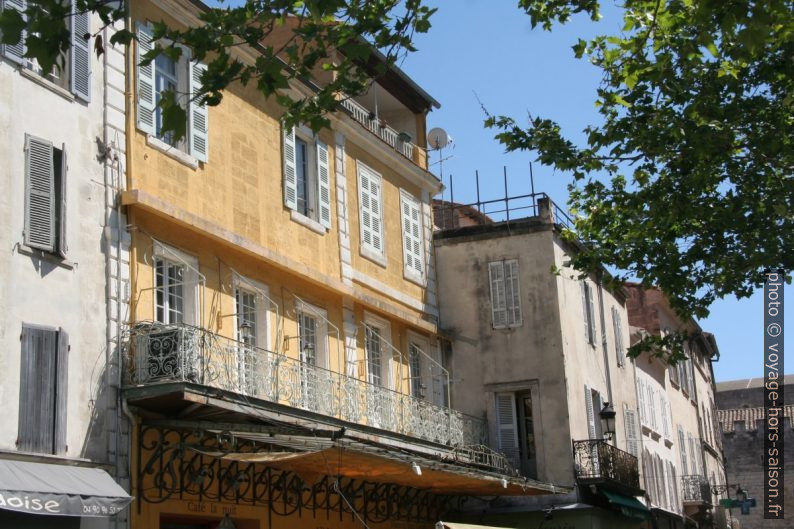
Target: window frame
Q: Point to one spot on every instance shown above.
(261, 294)
(383, 327)
(191, 304)
(320, 316)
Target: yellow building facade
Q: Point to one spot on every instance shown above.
(282, 307)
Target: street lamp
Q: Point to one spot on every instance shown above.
(607, 415)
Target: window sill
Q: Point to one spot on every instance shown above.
(23, 249)
(49, 85)
(417, 280)
(668, 442)
(303, 220)
(173, 152)
(372, 255)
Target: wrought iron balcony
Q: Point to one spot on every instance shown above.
(596, 461)
(696, 489)
(158, 352)
(399, 142)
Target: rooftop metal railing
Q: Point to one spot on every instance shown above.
(451, 215)
(157, 352)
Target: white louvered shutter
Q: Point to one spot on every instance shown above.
(588, 404)
(682, 450)
(506, 426)
(632, 434)
(674, 487)
(693, 455)
(371, 212)
(81, 54)
(617, 326)
(413, 244)
(512, 293)
(585, 316)
(663, 415)
(198, 119)
(16, 52)
(40, 194)
(498, 301)
(62, 246)
(591, 314)
(145, 84)
(290, 172)
(323, 183)
(652, 407)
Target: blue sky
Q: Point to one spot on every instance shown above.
(487, 48)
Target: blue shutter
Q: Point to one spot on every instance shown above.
(145, 82)
(323, 184)
(197, 115)
(16, 52)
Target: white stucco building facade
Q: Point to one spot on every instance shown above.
(64, 264)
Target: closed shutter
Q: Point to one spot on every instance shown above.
(371, 212)
(663, 413)
(617, 327)
(145, 85)
(674, 487)
(632, 434)
(498, 300)
(507, 429)
(673, 370)
(663, 478)
(413, 244)
(290, 172)
(682, 450)
(585, 317)
(512, 293)
(63, 248)
(81, 54)
(61, 391)
(16, 52)
(37, 390)
(652, 407)
(198, 120)
(693, 455)
(40, 194)
(323, 183)
(588, 404)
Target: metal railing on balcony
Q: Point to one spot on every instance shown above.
(596, 460)
(398, 141)
(695, 489)
(157, 352)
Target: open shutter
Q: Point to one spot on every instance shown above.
(40, 194)
(682, 450)
(197, 115)
(591, 315)
(16, 52)
(145, 86)
(290, 171)
(63, 248)
(81, 54)
(632, 433)
(506, 426)
(323, 183)
(641, 400)
(61, 391)
(588, 402)
(413, 247)
(693, 455)
(617, 328)
(496, 276)
(652, 407)
(512, 293)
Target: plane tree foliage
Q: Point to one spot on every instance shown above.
(685, 180)
(333, 36)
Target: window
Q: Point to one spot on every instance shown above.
(176, 282)
(505, 295)
(73, 71)
(370, 205)
(307, 187)
(588, 313)
(682, 450)
(617, 327)
(374, 350)
(415, 364)
(183, 77)
(43, 390)
(45, 196)
(246, 317)
(413, 238)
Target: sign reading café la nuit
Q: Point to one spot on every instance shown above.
(60, 504)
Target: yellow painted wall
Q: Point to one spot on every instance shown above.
(240, 188)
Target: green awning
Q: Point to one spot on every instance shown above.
(628, 505)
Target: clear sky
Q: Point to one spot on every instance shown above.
(487, 48)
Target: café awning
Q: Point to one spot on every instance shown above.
(50, 489)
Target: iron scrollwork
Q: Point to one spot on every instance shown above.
(188, 465)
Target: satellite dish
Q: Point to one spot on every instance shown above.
(438, 138)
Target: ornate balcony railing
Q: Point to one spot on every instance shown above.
(595, 460)
(158, 352)
(695, 489)
(398, 141)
